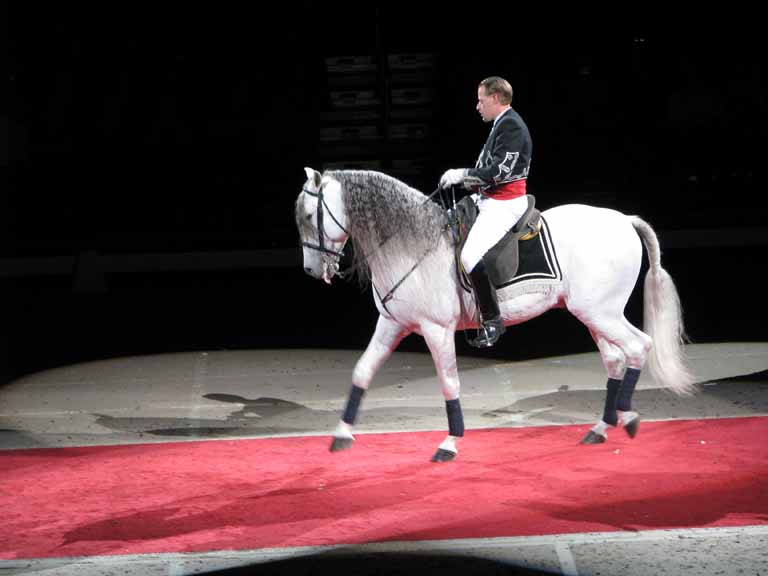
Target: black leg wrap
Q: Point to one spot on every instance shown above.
(455, 417)
(631, 376)
(353, 404)
(609, 413)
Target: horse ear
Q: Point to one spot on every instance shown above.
(313, 176)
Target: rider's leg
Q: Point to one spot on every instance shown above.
(494, 220)
(490, 317)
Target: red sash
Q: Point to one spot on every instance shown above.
(507, 191)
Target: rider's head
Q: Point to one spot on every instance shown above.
(494, 96)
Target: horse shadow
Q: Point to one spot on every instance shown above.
(745, 395)
(257, 407)
(255, 417)
(260, 416)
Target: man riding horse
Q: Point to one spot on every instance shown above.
(499, 181)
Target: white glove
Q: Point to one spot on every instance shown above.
(452, 177)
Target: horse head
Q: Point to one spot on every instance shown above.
(322, 223)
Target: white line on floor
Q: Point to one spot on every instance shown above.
(561, 542)
(567, 563)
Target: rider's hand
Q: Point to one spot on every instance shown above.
(452, 177)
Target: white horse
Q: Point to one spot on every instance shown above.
(403, 249)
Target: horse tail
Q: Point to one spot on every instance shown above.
(663, 319)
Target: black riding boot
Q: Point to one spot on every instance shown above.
(492, 326)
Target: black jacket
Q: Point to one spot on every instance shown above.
(505, 157)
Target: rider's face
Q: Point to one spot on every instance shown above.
(487, 105)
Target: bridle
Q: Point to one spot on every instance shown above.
(321, 235)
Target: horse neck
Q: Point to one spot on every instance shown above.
(418, 275)
(391, 224)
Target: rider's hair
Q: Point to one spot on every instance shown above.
(497, 85)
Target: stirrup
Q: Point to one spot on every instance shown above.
(488, 334)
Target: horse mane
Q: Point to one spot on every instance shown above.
(389, 222)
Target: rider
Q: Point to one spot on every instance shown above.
(498, 181)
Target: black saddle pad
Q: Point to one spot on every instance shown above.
(537, 261)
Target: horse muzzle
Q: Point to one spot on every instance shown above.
(331, 269)
(328, 271)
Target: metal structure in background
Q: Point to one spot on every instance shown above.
(379, 114)
(94, 264)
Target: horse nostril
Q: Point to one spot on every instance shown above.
(308, 270)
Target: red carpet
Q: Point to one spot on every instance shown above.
(247, 494)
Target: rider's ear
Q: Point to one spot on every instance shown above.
(313, 176)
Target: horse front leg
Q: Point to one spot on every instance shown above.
(386, 337)
(441, 343)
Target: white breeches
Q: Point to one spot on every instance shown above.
(496, 218)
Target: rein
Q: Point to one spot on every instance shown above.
(351, 269)
(388, 296)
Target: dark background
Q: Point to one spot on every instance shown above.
(152, 132)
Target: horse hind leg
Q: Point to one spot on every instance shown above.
(623, 349)
(629, 418)
(614, 362)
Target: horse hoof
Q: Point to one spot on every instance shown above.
(443, 455)
(593, 438)
(339, 444)
(632, 426)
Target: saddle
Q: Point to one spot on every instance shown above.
(503, 259)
